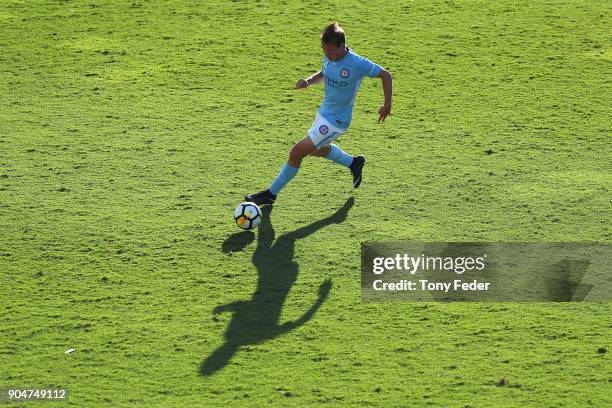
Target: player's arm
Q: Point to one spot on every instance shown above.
(387, 84)
(313, 79)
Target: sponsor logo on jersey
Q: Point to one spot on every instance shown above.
(335, 84)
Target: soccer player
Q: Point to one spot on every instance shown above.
(342, 72)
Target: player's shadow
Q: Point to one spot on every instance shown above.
(258, 319)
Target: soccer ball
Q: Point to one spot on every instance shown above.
(247, 215)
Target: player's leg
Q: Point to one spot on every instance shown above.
(335, 154)
(300, 150)
(321, 152)
(338, 156)
(323, 134)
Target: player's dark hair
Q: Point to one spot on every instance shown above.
(333, 34)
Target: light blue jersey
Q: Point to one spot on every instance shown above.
(342, 80)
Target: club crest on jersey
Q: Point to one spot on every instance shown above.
(344, 73)
(323, 129)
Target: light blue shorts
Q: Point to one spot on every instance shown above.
(323, 133)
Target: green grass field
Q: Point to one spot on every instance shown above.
(129, 131)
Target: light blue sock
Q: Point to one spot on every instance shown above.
(338, 156)
(285, 176)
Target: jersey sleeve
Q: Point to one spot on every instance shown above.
(368, 68)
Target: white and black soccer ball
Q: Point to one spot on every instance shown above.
(247, 215)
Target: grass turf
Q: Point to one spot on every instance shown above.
(129, 131)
